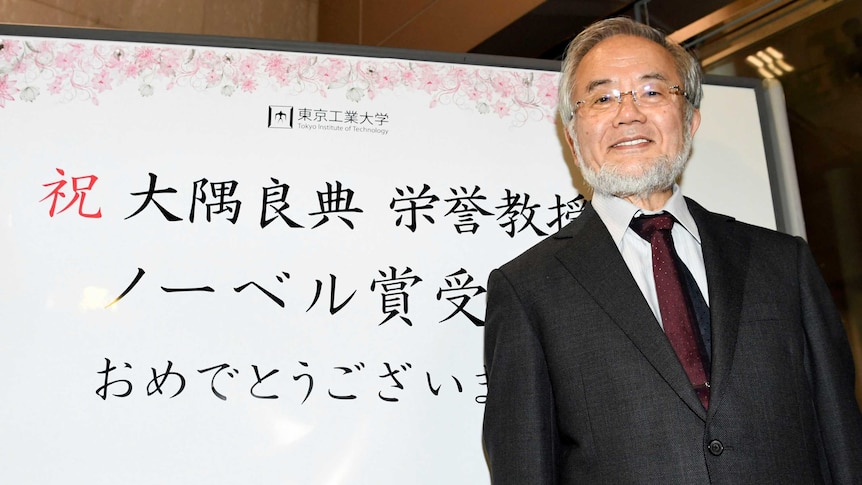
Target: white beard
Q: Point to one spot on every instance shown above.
(659, 175)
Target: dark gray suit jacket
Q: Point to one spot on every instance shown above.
(583, 386)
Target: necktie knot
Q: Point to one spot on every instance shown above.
(646, 226)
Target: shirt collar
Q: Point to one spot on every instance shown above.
(617, 213)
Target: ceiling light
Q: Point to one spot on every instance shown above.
(769, 63)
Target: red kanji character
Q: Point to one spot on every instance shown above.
(80, 187)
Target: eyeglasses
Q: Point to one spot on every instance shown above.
(652, 95)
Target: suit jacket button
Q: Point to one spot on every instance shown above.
(715, 447)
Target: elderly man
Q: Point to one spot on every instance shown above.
(651, 341)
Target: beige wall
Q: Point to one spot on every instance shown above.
(445, 25)
(268, 19)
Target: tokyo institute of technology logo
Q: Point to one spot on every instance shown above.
(280, 117)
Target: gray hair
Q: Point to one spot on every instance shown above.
(687, 66)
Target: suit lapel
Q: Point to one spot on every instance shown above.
(724, 275)
(594, 261)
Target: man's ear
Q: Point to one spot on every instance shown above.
(571, 145)
(695, 122)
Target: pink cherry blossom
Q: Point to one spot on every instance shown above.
(408, 77)
(169, 63)
(145, 57)
(274, 64)
(503, 85)
(102, 80)
(213, 77)
(546, 90)
(56, 85)
(501, 108)
(7, 90)
(130, 70)
(248, 85)
(11, 50)
(429, 80)
(248, 65)
(64, 61)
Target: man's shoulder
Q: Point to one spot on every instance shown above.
(540, 253)
(537, 257)
(708, 221)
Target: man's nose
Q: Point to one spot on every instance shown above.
(626, 112)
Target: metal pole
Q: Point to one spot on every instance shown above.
(641, 12)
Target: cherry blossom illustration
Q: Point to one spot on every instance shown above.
(73, 70)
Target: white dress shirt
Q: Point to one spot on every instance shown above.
(617, 213)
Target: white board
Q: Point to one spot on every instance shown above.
(335, 344)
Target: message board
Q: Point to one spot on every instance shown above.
(232, 265)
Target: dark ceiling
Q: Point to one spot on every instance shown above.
(544, 32)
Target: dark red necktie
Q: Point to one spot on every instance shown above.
(676, 315)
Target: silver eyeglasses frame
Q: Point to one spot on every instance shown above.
(674, 90)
